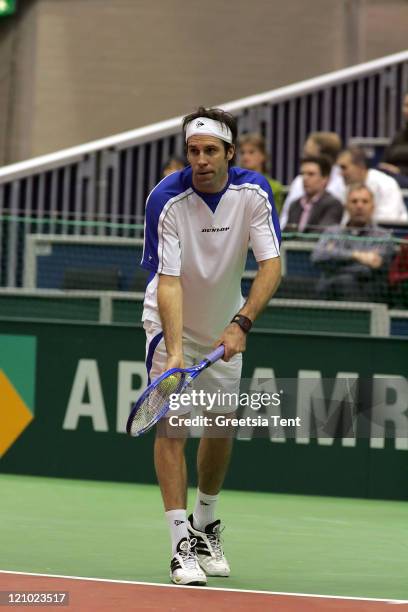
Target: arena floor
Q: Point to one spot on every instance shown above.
(107, 545)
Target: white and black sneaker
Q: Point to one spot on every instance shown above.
(209, 548)
(184, 567)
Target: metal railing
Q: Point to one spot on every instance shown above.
(109, 179)
(377, 314)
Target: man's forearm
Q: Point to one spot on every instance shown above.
(264, 286)
(329, 251)
(170, 304)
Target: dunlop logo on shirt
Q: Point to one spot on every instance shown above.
(215, 229)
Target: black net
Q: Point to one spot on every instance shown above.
(77, 271)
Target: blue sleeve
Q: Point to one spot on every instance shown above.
(154, 206)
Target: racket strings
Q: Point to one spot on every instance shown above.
(156, 401)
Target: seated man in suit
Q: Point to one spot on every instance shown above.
(317, 208)
(354, 258)
(318, 144)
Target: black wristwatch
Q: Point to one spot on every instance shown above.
(244, 323)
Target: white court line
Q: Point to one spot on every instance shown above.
(181, 586)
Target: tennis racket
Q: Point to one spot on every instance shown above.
(154, 402)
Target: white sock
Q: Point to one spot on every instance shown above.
(204, 510)
(177, 520)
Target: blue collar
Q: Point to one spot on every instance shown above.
(212, 199)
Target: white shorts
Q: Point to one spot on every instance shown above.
(221, 380)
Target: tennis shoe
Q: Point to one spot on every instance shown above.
(209, 548)
(184, 567)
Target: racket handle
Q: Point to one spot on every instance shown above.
(216, 354)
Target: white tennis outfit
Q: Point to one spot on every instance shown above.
(204, 239)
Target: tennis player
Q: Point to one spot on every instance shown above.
(198, 226)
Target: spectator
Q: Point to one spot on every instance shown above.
(317, 208)
(396, 155)
(354, 269)
(172, 165)
(388, 200)
(317, 144)
(253, 156)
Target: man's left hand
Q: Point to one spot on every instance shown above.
(234, 340)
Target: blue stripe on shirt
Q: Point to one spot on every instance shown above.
(152, 347)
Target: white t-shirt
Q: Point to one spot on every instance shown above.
(336, 186)
(389, 203)
(204, 239)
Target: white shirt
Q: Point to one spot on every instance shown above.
(389, 203)
(204, 239)
(336, 186)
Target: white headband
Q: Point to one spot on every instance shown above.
(208, 127)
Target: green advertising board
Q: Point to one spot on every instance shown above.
(7, 7)
(17, 387)
(77, 382)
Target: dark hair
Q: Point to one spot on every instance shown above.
(217, 114)
(322, 161)
(258, 141)
(329, 144)
(358, 156)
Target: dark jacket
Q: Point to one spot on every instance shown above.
(397, 152)
(326, 211)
